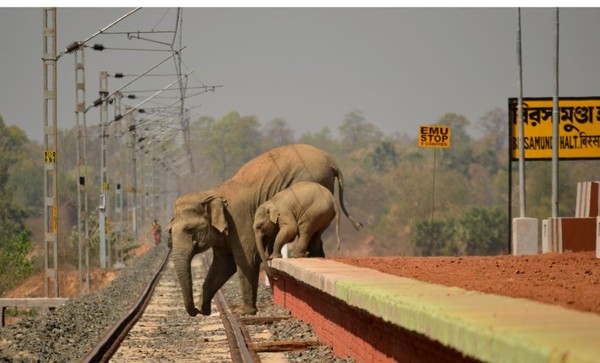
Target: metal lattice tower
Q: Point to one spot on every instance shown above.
(118, 134)
(104, 185)
(49, 57)
(82, 197)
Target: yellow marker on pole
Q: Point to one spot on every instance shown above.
(55, 218)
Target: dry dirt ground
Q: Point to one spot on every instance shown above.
(571, 280)
(68, 280)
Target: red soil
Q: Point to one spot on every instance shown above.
(571, 280)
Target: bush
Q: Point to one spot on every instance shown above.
(480, 231)
(15, 264)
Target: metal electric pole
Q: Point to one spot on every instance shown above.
(132, 189)
(49, 57)
(119, 175)
(104, 185)
(82, 197)
(555, 121)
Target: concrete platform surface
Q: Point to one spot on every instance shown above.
(488, 327)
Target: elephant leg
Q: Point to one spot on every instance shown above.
(286, 234)
(221, 269)
(248, 276)
(302, 245)
(315, 247)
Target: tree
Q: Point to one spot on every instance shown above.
(12, 217)
(322, 139)
(356, 132)
(229, 142)
(494, 125)
(483, 231)
(383, 157)
(15, 244)
(434, 238)
(276, 133)
(460, 154)
(26, 176)
(15, 265)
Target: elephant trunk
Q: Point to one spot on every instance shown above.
(259, 237)
(182, 258)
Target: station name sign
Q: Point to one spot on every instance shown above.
(434, 136)
(579, 128)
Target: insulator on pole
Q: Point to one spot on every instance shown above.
(73, 47)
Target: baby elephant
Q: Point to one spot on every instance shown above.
(305, 210)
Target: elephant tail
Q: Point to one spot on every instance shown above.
(340, 178)
(337, 224)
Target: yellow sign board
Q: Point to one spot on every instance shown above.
(50, 157)
(55, 219)
(434, 136)
(579, 128)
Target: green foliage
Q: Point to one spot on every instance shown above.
(276, 133)
(15, 244)
(479, 231)
(356, 132)
(460, 155)
(483, 231)
(322, 139)
(434, 238)
(228, 143)
(123, 243)
(13, 311)
(383, 157)
(15, 264)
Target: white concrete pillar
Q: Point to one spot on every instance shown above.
(551, 235)
(525, 236)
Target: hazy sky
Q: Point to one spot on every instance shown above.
(402, 67)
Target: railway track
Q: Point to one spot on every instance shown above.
(158, 328)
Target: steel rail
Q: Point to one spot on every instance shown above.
(232, 326)
(112, 339)
(110, 342)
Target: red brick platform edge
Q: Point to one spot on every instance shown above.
(354, 332)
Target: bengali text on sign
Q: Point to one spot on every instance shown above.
(578, 131)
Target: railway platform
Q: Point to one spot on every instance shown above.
(375, 316)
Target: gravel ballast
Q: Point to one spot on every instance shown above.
(70, 331)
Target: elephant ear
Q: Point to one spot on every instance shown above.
(215, 208)
(170, 226)
(273, 214)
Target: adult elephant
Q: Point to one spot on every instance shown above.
(222, 218)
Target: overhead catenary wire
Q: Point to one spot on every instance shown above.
(157, 93)
(74, 45)
(103, 99)
(207, 88)
(96, 46)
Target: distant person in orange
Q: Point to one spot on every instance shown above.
(156, 231)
